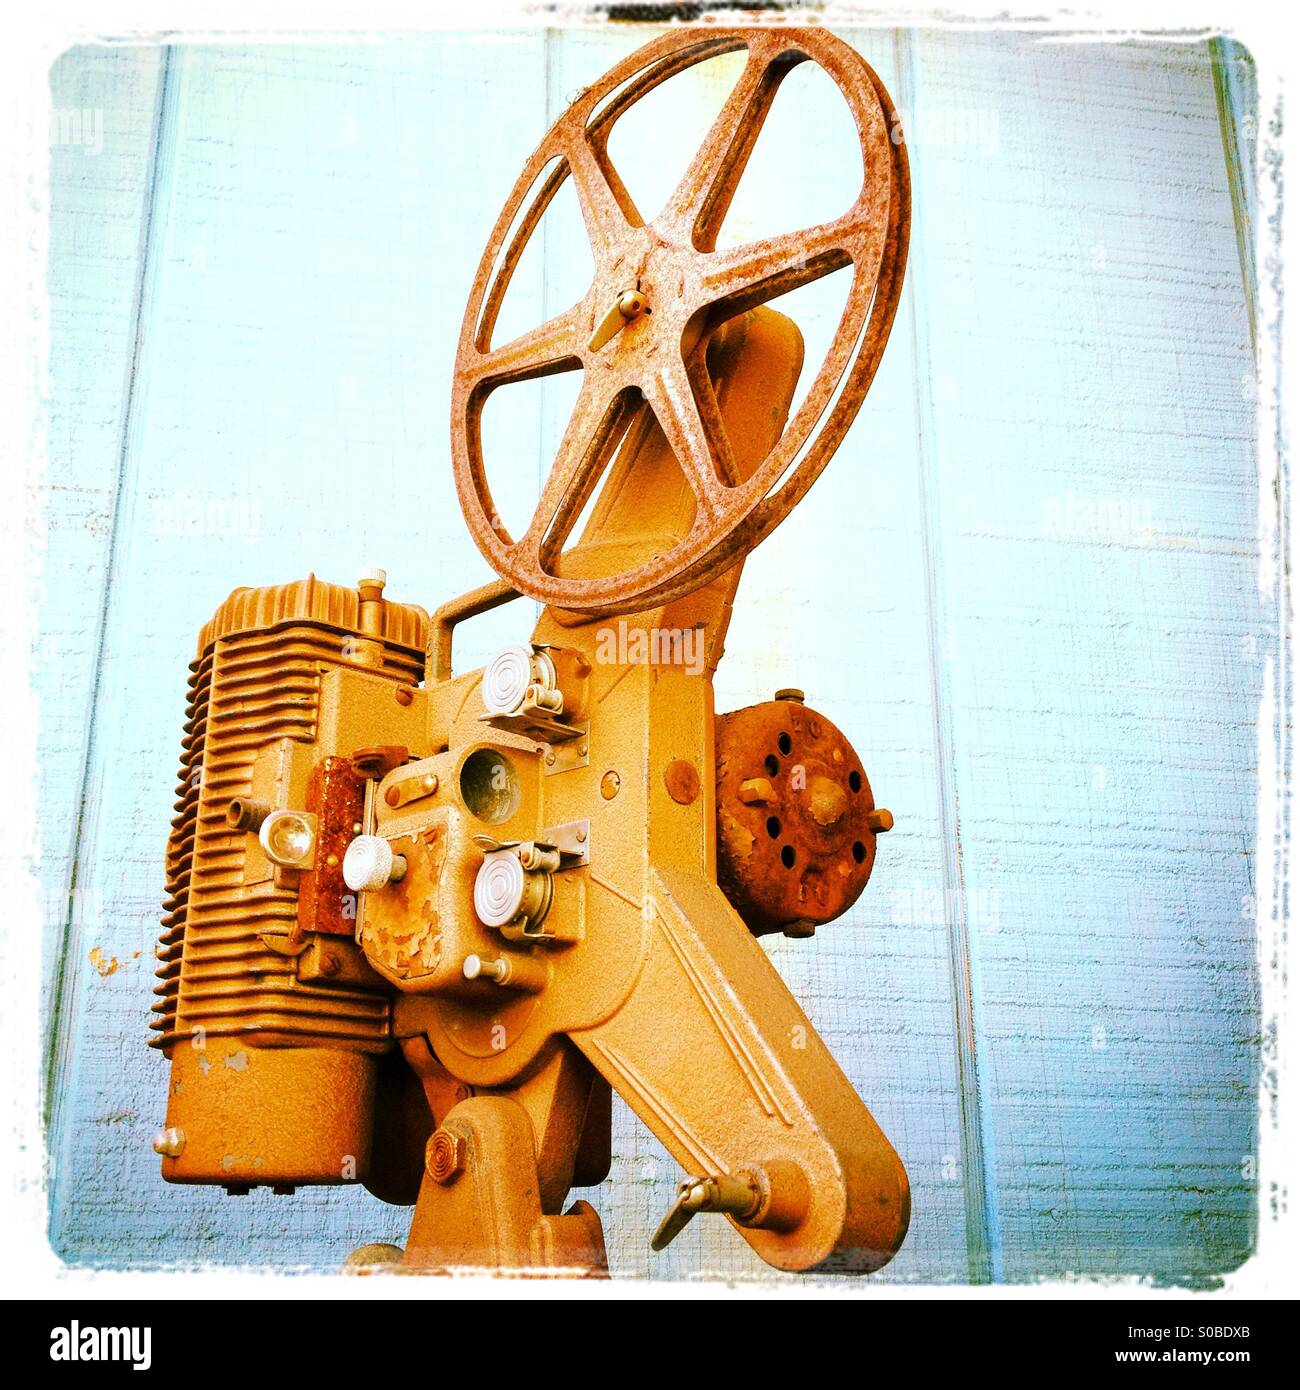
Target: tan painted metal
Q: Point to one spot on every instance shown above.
(559, 863)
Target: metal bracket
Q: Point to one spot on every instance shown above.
(572, 841)
(538, 724)
(566, 757)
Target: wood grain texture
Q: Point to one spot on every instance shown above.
(1096, 533)
(1024, 589)
(101, 142)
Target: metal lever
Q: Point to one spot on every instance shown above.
(629, 305)
(736, 1194)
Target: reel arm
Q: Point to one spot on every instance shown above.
(716, 1058)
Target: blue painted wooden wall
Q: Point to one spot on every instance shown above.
(1026, 588)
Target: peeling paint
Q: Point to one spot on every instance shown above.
(106, 965)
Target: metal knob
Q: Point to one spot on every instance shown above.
(517, 971)
(499, 889)
(518, 676)
(510, 891)
(370, 864)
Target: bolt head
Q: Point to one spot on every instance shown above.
(444, 1156)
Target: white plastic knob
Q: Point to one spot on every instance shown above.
(368, 864)
(169, 1142)
(499, 890)
(506, 679)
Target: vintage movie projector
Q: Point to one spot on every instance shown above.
(418, 923)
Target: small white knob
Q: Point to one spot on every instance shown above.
(476, 968)
(370, 864)
(169, 1142)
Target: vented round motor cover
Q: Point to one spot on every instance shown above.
(796, 819)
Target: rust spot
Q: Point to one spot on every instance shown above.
(402, 928)
(106, 965)
(682, 781)
(800, 854)
(336, 792)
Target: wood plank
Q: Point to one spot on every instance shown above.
(1094, 444)
(101, 142)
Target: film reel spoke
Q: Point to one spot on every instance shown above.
(695, 435)
(551, 347)
(607, 208)
(699, 204)
(597, 423)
